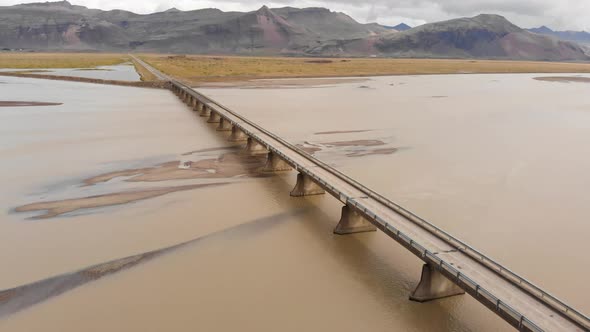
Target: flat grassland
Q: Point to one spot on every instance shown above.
(200, 69)
(20, 60)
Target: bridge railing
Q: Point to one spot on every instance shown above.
(521, 282)
(508, 274)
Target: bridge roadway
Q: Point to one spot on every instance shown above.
(451, 266)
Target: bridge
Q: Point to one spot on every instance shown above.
(451, 267)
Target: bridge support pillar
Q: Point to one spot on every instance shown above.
(224, 125)
(198, 106)
(353, 222)
(205, 111)
(254, 147)
(214, 117)
(306, 186)
(274, 163)
(237, 135)
(434, 285)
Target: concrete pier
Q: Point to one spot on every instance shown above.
(305, 186)
(254, 147)
(237, 135)
(198, 107)
(205, 111)
(224, 125)
(434, 285)
(353, 222)
(274, 163)
(214, 117)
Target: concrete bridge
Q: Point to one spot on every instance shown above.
(451, 267)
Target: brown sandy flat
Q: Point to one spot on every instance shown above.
(206, 150)
(281, 82)
(26, 103)
(564, 79)
(156, 85)
(341, 132)
(386, 151)
(57, 208)
(227, 165)
(365, 142)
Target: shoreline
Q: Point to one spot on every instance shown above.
(140, 84)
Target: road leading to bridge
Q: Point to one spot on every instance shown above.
(451, 266)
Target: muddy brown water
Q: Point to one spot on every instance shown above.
(254, 259)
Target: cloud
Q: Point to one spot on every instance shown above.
(561, 14)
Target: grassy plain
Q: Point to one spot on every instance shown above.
(199, 69)
(20, 60)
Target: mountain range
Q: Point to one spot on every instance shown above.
(277, 31)
(581, 37)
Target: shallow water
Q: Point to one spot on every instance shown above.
(263, 260)
(123, 72)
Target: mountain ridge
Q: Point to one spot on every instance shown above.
(570, 35)
(313, 31)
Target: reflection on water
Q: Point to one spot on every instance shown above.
(263, 260)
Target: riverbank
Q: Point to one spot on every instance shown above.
(199, 70)
(142, 84)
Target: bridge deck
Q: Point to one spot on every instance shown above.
(516, 300)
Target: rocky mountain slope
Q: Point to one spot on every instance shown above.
(277, 31)
(60, 25)
(488, 36)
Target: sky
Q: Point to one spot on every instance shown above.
(556, 14)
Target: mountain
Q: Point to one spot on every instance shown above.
(482, 36)
(60, 25)
(267, 31)
(582, 37)
(402, 27)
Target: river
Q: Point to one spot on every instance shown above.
(497, 160)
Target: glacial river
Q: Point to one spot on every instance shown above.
(110, 172)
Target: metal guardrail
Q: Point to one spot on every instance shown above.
(426, 255)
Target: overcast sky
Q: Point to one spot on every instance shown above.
(557, 14)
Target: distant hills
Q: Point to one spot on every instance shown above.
(582, 37)
(483, 36)
(402, 27)
(276, 31)
(399, 27)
